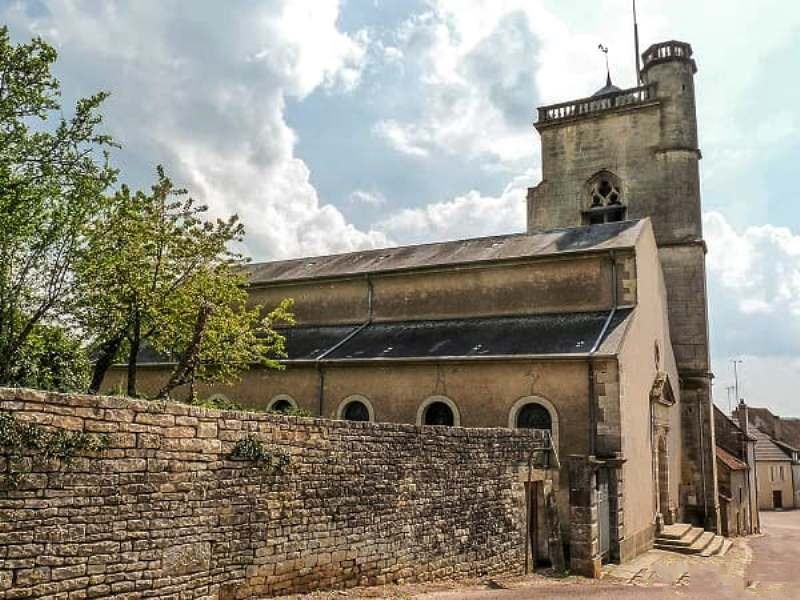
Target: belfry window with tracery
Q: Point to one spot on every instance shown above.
(604, 200)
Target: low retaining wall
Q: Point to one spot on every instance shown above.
(165, 511)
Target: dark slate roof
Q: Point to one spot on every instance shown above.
(608, 88)
(574, 333)
(505, 247)
(308, 343)
(733, 423)
(766, 449)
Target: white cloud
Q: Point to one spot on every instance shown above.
(201, 87)
(754, 291)
(759, 267)
(408, 139)
(485, 67)
(470, 215)
(373, 199)
(477, 91)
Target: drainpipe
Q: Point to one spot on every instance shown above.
(744, 425)
(595, 347)
(344, 340)
(703, 463)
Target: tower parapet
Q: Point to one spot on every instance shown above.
(592, 105)
(668, 51)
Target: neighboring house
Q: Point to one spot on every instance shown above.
(776, 474)
(737, 475)
(782, 429)
(735, 513)
(592, 325)
(794, 454)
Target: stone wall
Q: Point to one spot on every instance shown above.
(166, 511)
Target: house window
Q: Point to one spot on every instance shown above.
(355, 408)
(604, 200)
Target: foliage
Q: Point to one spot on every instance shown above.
(53, 172)
(271, 460)
(44, 445)
(156, 274)
(216, 402)
(216, 336)
(222, 403)
(292, 412)
(51, 358)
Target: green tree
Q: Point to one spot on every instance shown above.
(155, 273)
(53, 172)
(215, 336)
(51, 359)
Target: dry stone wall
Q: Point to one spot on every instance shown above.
(165, 511)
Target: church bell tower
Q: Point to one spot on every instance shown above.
(627, 154)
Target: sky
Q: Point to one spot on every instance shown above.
(336, 126)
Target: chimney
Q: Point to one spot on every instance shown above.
(741, 413)
(744, 425)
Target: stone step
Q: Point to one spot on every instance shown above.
(714, 547)
(688, 538)
(699, 544)
(726, 545)
(675, 532)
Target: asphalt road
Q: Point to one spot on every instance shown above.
(775, 563)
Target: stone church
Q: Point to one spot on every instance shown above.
(591, 325)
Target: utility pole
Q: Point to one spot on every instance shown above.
(736, 362)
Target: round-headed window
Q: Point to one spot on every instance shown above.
(438, 413)
(355, 410)
(282, 406)
(282, 403)
(534, 416)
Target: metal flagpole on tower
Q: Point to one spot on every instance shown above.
(636, 46)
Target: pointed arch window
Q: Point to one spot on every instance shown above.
(604, 203)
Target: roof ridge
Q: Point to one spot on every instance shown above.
(497, 248)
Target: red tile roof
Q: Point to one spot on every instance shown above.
(730, 461)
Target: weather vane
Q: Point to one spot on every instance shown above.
(604, 50)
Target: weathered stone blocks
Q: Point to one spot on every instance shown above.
(166, 513)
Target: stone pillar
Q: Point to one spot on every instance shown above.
(616, 490)
(584, 535)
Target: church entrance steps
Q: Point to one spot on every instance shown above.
(685, 539)
(715, 547)
(675, 532)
